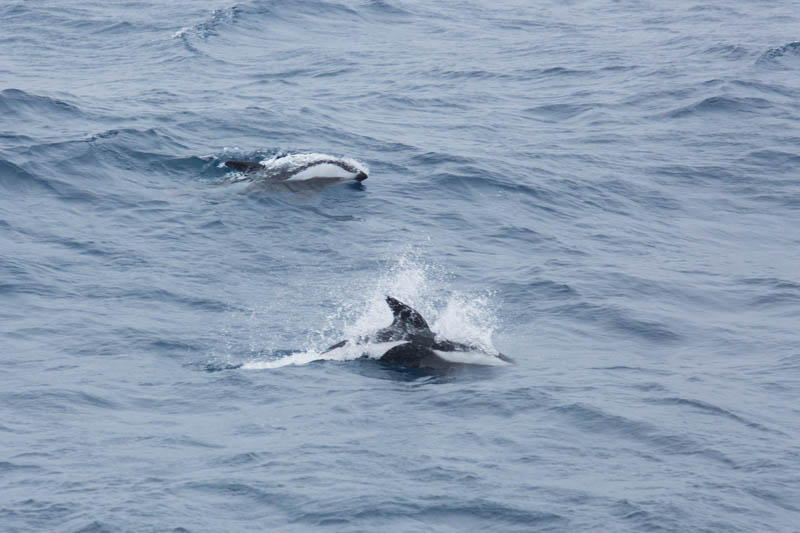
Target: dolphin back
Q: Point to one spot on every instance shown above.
(413, 355)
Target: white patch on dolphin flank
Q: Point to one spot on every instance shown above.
(377, 350)
(287, 163)
(324, 170)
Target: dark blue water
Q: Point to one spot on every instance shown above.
(608, 192)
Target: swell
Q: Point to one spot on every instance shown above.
(595, 420)
(618, 318)
(53, 400)
(218, 21)
(357, 507)
(727, 105)
(713, 410)
(15, 103)
(103, 165)
(256, 19)
(16, 180)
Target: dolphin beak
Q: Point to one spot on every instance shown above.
(361, 176)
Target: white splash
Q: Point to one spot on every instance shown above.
(469, 320)
(408, 280)
(454, 316)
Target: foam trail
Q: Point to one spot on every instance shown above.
(302, 358)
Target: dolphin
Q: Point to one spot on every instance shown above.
(329, 169)
(409, 342)
(298, 173)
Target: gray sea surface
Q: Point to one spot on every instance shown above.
(606, 191)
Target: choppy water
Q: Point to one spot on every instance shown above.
(608, 192)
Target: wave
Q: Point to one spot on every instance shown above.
(14, 179)
(256, 16)
(728, 51)
(559, 112)
(16, 103)
(210, 25)
(58, 400)
(613, 317)
(315, 8)
(767, 88)
(121, 148)
(597, 421)
(383, 7)
(712, 410)
(722, 104)
(524, 74)
(787, 55)
(775, 295)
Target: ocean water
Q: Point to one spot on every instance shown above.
(606, 191)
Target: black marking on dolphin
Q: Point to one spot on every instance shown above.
(409, 342)
(245, 167)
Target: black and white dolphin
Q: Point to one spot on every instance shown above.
(409, 342)
(299, 172)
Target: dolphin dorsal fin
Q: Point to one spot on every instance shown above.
(405, 318)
